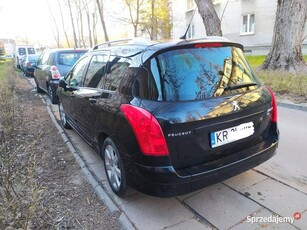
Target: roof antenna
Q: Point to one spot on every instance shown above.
(185, 34)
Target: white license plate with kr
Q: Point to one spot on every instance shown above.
(232, 134)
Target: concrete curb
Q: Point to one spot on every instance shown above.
(100, 192)
(290, 105)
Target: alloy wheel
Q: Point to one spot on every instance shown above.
(112, 165)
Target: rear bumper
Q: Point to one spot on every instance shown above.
(54, 83)
(167, 182)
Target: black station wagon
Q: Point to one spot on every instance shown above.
(170, 118)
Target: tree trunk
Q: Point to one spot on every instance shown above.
(63, 25)
(88, 18)
(56, 34)
(286, 49)
(94, 28)
(134, 7)
(100, 10)
(79, 5)
(73, 25)
(210, 19)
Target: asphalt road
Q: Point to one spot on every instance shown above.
(256, 199)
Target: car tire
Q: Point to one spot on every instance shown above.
(63, 117)
(114, 168)
(53, 96)
(38, 89)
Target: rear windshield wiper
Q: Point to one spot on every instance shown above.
(240, 86)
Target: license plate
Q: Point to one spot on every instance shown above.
(232, 134)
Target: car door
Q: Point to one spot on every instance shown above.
(87, 96)
(41, 69)
(73, 80)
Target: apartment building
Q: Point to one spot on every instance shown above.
(250, 22)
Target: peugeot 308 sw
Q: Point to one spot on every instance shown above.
(170, 118)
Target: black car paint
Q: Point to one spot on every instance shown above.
(94, 113)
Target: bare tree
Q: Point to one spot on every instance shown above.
(80, 23)
(85, 5)
(100, 10)
(73, 25)
(56, 33)
(134, 7)
(94, 27)
(210, 18)
(286, 49)
(63, 24)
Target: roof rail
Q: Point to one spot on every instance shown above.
(137, 41)
(109, 43)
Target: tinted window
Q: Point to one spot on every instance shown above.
(69, 58)
(96, 70)
(31, 50)
(22, 51)
(193, 74)
(115, 70)
(74, 78)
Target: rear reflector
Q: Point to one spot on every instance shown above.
(147, 130)
(210, 44)
(274, 106)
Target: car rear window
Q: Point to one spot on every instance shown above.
(31, 50)
(193, 74)
(22, 51)
(69, 58)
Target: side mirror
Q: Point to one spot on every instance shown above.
(62, 83)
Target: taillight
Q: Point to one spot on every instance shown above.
(274, 106)
(209, 44)
(55, 73)
(147, 130)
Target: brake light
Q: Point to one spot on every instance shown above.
(274, 106)
(209, 44)
(55, 73)
(147, 130)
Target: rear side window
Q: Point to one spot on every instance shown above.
(69, 58)
(193, 74)
(96, 70)
(115, 70)
(44, 58)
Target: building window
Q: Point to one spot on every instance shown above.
(248, 24)
(190, 5)
(191, 31)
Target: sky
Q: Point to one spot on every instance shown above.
(31, 20)
(27, 19)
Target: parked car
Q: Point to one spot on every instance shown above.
(21, 61)
(29, 63)
(51, 65)
(21, 51)
(173, 117)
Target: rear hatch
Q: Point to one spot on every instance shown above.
(208, 102)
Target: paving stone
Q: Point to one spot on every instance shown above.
(247, 223)
(222, 206)
(245, 180)
(153, 213)
(279, 198)
(190, 224)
